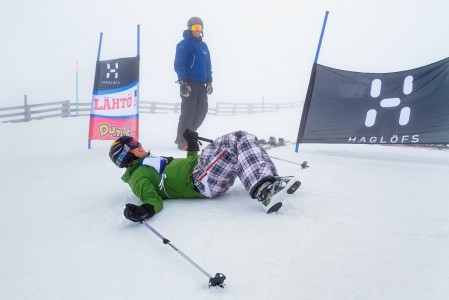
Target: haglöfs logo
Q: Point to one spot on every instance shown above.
(376, 87)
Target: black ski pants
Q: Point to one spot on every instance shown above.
(193, 111)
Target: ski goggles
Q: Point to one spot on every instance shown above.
(196, 27)
(132, 143)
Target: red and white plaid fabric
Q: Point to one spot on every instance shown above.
(237, 154)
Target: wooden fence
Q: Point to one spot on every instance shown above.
(65, 109)
(40, 111)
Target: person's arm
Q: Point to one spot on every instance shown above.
(209, 67)
(180, 61)
(146, 192)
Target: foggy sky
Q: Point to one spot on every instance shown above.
(258, 48)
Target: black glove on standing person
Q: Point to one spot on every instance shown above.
(209, 88)
(138, 213)
(192, 140)
(185, 88)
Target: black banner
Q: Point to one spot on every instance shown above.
(116, 73)
(407, 107)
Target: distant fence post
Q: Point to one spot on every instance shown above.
(66, 109)
(27, 109)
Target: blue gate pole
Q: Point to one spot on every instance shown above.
(98, 59)
(138, 39)
(138, 82)
(321, 37)
(316, 57)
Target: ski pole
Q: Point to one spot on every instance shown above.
(303, 165)
(213, 281)
(205, 140)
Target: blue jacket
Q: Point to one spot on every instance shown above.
(192, 60)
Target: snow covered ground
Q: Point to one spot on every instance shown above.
(369, 222)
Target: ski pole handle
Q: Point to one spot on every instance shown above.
(205, 140)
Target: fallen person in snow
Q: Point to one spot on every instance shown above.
(208, 175)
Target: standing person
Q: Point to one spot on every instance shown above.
(209, 175)
(194, 70)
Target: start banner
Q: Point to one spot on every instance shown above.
(115, 100)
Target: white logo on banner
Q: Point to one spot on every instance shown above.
(404, 116)
(112, 72)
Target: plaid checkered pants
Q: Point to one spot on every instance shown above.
(237, 154)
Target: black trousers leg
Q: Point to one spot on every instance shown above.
(193, 111)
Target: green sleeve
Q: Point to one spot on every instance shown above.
(144, 189)
(192, 153)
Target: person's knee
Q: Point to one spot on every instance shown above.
(243, 135)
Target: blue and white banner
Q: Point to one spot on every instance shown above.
(115, 101)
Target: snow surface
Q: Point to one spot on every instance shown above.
(369, 221)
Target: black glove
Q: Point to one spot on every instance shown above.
(209, 88)
(192, 140)
(137, 213)
(185, 88)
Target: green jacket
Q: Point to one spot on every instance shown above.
(145, 181)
